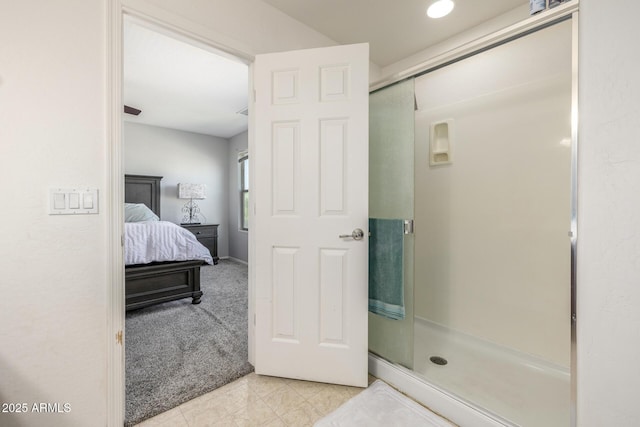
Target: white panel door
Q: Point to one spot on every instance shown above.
(311, 186)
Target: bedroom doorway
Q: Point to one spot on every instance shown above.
(189, 31)
(186, 121)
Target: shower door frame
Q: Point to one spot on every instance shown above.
(407, 380)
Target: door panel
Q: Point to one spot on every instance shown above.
(311, 186)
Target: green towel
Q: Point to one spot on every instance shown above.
(386, 249)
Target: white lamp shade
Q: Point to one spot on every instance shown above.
(191, 191)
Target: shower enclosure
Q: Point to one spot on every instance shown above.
(476, 158)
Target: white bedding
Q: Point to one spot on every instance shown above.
(157, 241)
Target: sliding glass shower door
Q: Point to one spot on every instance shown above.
(391, 187)
(492, 211)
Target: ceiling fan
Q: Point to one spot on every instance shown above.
(131, 110)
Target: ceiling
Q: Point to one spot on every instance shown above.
(395, 29)
(181, 86)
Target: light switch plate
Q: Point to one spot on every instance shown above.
(73, 201)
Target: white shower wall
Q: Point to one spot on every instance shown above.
(492, 250)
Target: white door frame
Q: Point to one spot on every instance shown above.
(160, 20)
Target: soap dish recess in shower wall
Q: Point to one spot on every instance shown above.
(441, 136)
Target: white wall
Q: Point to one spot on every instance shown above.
(609, 215)
(180, 156)
(53, 287)
(250, 26)
(55, 277)
(238, 239)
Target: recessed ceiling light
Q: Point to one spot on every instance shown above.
(440, 8)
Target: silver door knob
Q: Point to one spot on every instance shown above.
(357, 234)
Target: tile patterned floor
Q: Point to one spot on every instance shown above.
(256, 400)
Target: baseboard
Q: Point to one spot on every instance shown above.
(235, 259)
(434, 398)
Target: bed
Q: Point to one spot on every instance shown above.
(148, 283)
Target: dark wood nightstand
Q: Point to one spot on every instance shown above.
(207, 234)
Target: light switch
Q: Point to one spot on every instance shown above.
(74, 201)
(59, 201)
(87, 201)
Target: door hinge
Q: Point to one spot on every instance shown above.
(122, 240)
(119, 337)
(254, 96)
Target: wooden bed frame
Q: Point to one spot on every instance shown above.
(148, 284)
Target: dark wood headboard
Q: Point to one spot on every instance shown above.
(143, 189)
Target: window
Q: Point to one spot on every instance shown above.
(243, 163)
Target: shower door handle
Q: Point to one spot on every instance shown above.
(357, 234)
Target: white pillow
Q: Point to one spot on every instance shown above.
(138, 212)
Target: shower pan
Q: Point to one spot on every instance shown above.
(479, 154)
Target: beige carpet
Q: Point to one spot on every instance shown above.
(177, 351)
